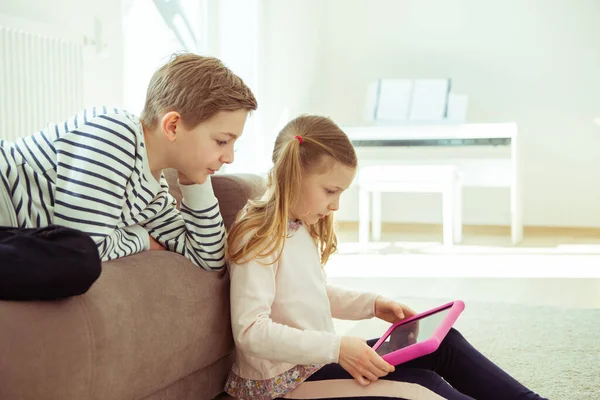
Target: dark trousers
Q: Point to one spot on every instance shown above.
(456, 371)
(48, 263)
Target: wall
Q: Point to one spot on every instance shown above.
(534, 62)
(293, 46)
(275, 46)
(237, 39)
(103, 76)
(149, 42)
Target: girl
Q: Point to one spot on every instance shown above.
(282, 306)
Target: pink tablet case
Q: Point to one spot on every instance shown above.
(429, 345)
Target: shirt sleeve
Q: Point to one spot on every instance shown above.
(252, 293)
(351, 304)
(196, 231)
(94, 163)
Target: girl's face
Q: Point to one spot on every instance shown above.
(321, 190)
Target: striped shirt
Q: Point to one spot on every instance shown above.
(91, 173)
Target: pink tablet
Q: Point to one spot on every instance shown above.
(419, 335)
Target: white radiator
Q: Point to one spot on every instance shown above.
(41, 76)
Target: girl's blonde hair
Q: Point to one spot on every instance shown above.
(307, 144)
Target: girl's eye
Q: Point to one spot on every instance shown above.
(221, 142)
(329, 191)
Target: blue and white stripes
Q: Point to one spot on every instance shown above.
(91, 173)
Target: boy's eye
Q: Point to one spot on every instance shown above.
(329, 191)
(221, 142)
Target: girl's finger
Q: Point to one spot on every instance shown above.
(399, 313)
(380, 363)
(370, 375)
(360, 379)
(378, 371)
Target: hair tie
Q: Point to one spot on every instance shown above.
(300, 139)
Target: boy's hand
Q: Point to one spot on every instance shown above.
(390, 311)
(154, 245)
(361, 361)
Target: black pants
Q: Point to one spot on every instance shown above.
(456, 371)
(48, 263)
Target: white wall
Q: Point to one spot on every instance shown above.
(534, 62)
(275, 46)
(148, 43)
(237, 39)
(103, 72)
(293, 37)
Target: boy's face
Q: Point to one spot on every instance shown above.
(321, 191)
(203, 150)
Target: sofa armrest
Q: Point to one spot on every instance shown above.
(232, 191)
(150, 320)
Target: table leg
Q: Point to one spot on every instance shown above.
(458, 206)
(516, 193)
(376, 204)
(448, 215)
(363, 219)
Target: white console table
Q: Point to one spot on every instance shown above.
(478, 150)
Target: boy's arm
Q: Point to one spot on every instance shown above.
(197, 231)
(252, 294)
(94, 163)
(123, 242)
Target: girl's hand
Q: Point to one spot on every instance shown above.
(391, 311)
(361, 361)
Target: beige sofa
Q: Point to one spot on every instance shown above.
(153, 326)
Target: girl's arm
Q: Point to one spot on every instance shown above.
(351, 304)
(252, 294)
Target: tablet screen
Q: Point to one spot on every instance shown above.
(413, 332)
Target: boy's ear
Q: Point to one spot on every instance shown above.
(169, 124)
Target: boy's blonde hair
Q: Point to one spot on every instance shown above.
(323, 143)
(196, 87)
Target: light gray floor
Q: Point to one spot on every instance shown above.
(568, 293)
(552, 270)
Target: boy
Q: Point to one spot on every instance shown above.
(100, 172)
